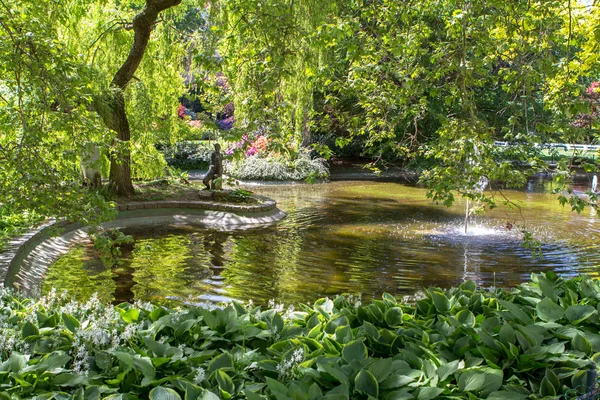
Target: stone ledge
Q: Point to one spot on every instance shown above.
(30, 255)
(266, 205)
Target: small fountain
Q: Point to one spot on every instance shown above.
(479, 187)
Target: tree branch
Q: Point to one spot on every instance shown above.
(142, 26)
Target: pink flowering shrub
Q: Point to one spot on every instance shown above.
(181, 111)
(592, 97)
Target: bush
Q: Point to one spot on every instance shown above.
(188, 155)
(278, 168)
(464, 343)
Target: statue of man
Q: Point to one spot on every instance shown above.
(216, 169)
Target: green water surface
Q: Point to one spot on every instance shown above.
(341, 237)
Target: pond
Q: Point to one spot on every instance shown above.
(341, 237)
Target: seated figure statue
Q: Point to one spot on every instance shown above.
(215, 171)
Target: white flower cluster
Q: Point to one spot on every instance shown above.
(356, 301)
(200, 375)
(278, 307)
(287, 368)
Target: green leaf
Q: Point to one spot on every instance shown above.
(428, 393)
(445, 370)
(251, 395)
(381, 368)
(144, 365)
(580, 343)
(161, 393)
(484, 380)
(396, 381)
(355, 350)
(393, 316)
(516, 311)
(69, 379)
(548, 311)
(507, 334)
(365, 383)
(70, 322)
(505, 395)
(546, 388)
(130, 316)
(578, 313)
(276, 387)
(440, 301)
(466, 317)
(225, 382)
(222, 361)
(29, 330)
(17, 362)
(314, 392)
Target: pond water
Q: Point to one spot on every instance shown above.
(340, 237)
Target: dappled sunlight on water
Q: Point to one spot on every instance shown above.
(354, 237)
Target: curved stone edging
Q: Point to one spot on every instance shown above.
(266, 205)
(38, 249)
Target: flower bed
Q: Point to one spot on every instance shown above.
(463, 343)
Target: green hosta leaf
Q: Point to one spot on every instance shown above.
(314, 392)
(388, 298)
(547, 288)
(396, 381)
(466, 317)
(546, 388)
(276, 387)
(580, 343)
(144, 365)
(343, 334)
(365, 383)
(222, 361)
(336, 373)
(507, 335)
(393, 316)
(130, 316)
(355, 350)
(578, 313)
(440, 301)
(515, 311)
(445, 370)
(553, 379)
(17, 362)
(225, 382)
(161, 393)
(481, 380)
(69, 379)
(428, 393)
(381, 368)
(70, 322)
(50, 362)
(251, 395)
(505, 395)
(548, 311)
(29, 330)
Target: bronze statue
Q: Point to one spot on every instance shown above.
(215, 171)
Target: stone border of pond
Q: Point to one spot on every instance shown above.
(25, 263)
(266, 204)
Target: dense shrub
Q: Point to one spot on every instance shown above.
(188, 155)
(278, 168)
(536, 341)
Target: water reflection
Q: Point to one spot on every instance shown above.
(341, 237)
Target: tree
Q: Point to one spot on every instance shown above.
(112, 106)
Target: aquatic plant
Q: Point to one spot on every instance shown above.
(536, 341)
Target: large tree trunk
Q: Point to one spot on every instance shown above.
(116, 117)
